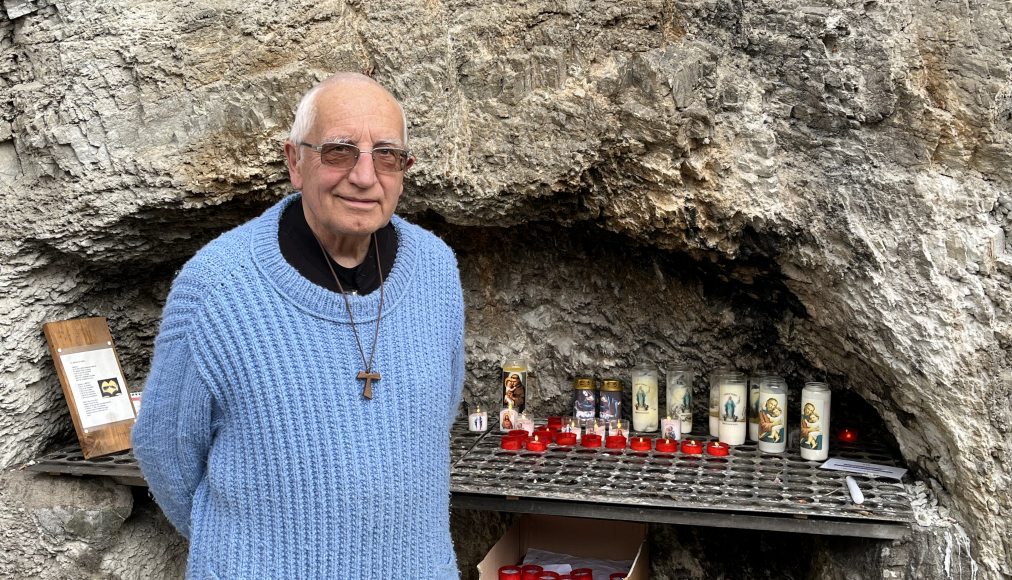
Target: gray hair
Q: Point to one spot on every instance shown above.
(305, 113)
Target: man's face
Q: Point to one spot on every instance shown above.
(349, 202)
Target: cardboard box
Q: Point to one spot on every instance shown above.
(606, 539)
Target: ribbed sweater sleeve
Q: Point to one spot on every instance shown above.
(173, 432)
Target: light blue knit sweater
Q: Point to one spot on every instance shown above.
(254, 435)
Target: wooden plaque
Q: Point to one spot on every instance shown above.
(93, 384)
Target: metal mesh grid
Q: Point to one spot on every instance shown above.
(745, 481)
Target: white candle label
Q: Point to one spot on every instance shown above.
(671, 428)
(644, 413)
(733, 409)
(508, 420)
(597, 428)
(812, 422)
(526, 423)
(772, 421)
(514, 388)
(477, 421)
(680, 405)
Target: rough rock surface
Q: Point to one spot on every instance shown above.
(821, 189)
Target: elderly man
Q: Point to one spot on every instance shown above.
(279, 432)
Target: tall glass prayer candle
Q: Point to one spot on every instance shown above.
(477, 420)
(772, 417)
(585, 402)
(753, 402)
(609, 405)
(514, 384)
(815, 403)
(644, 408)
(714, 409)
(679, 395)
(733, 402)
(596, 426)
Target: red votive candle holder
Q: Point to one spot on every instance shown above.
(640, 444)
(567, 439)
(847, 435)
(717, 449)
(582, 574)
(548, 575)
(555, 422)
(536, 443)
(531, 571)
(545, 434)
(511, 443)
(666, 445)
(510, 573)
(615, 442)
(692, 447)
(591, 440)
(521, 433)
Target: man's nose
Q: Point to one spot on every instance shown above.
(363, 174)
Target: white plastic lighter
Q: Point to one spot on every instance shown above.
(855, 491)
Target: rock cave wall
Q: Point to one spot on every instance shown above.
(824, 189)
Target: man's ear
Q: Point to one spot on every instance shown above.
(292, 160)
(409, 162)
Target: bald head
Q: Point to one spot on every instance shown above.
(306, 113)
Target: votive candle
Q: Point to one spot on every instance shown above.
(666, 445)
(640, 444)
(692, 447)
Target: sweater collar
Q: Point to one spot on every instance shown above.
(288, 282)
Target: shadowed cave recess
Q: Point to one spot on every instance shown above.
(572, 299)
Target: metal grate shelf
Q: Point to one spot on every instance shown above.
(746, 489)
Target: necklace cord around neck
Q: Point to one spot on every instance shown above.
(347, 303)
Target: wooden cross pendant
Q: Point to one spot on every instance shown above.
(369, 378)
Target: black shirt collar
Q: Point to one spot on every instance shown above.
(302, 251)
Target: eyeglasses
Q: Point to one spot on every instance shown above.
(345, 156)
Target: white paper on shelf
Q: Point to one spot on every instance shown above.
(862, 468)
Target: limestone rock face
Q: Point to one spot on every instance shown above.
(822, 190)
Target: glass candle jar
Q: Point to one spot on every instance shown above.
(772, 416)
(815, 402)
(644, 403)
(585, 402)
(610, 402)
(679, 395)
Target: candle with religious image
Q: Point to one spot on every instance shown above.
(526, 423)
(572, 425)
(585, 402)
(753, 402)
(508, 418)
(596, 426)
(644, 403)
(772, 416)
(714, 407)
(618, 427)
(514, 384)
(609, 403)
(815, 402)
(679, 395)
(671, 428)
(733, 411)
(477, 420)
